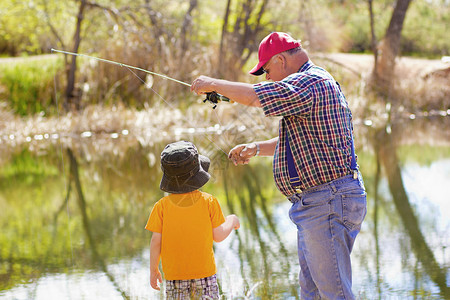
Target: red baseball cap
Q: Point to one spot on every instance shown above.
(274, 43)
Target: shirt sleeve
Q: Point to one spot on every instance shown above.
(215, 213)
(284, 98)
(155, 220)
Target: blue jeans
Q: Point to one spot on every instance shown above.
(328, 218)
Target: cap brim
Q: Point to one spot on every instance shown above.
(258, 72)
(191, 184)
(258, 69)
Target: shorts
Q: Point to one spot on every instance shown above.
(203, 288)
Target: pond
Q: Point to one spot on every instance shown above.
(73, 211)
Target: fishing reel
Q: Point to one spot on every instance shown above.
(215, 98)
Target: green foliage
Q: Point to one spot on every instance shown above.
(25, 26)
(150, 34)
(17, 28)
(28, 84)
(29, 27)
(426, 29)
(423, 34)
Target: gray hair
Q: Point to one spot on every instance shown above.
(294, 50)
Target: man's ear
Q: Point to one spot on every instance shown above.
(283, 60)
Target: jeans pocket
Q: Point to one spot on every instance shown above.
(354, 209)
(317, 198)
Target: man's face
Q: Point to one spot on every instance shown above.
(275, 68)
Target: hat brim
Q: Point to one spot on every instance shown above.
(258, 69)
(171, 185)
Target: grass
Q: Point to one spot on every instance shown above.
(27, 85)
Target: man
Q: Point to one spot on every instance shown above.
(314, 163)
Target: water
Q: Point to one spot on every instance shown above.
(73, 216)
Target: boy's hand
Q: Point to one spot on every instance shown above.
(241, 154)
(155, 276)
(222, 231)
(236, 223)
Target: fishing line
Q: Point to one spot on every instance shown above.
(173, 107)
(122, 65)
(220, 97)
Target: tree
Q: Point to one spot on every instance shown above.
(71, 98)
(240, 35)
(388, 49)
(373, 37)
(72, 95)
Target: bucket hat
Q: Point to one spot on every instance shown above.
(274, 43)
(184, 170)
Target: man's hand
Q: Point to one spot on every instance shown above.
(202, 85)
(241, 154)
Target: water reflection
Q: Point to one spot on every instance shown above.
(74, 179)
(73, 218)
(387, 156)
(264, 261)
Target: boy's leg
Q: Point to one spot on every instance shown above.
(178, 289)
(206, 288)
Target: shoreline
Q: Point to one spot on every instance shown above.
(159, 120)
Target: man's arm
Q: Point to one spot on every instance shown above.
(239, 92)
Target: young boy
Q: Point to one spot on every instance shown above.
(184, 225)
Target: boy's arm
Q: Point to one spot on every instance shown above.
(221, 232)
(155, 252)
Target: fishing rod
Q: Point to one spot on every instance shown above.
(211, 97)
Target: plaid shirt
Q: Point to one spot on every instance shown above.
(318, 122)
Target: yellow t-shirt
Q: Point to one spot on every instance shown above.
(186, 222)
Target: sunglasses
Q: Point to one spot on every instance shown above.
(266, 68)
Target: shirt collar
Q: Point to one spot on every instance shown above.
(306, 66)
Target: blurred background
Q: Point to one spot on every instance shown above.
(80, 140)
